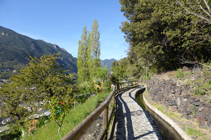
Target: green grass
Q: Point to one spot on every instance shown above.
(73, 118)
(179, 73)
(193, 132)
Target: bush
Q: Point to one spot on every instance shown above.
(107, 86)
(179, 73)
(43, 120)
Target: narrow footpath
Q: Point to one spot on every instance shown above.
(133, 123)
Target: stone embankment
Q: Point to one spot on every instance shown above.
(173, 94)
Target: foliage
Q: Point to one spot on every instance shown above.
(203, 83)
(118, 68)
(193, 132)
(91, 75)
(101, 73)
(59, 107)
(95, 45)
(85, 89)
(42, 80)
(200, 9)
(72, 119)
(83, 55)
(88, 53)
(43, 120)
(179, 73)
(15, 135)
(162, 35)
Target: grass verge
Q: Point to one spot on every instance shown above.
(73, 118)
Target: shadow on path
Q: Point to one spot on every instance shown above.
(125, 122)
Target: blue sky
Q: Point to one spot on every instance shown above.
(61, 22)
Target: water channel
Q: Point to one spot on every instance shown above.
(168, 132)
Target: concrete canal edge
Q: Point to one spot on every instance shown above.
(167, 126)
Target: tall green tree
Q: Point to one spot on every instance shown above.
(88, 53)
(83, 57)
(95, 47)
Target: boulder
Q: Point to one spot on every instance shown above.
(184, 69)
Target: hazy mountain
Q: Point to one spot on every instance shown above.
(13, 48)
(107, 62)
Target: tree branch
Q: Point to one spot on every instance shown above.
(208, 8)
(193, 13)
(203, 8)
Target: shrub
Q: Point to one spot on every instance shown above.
(179, 73)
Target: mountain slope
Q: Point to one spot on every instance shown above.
(13, 48)
(107, 62)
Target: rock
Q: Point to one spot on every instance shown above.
(206, 113)
(189, 112)
(201, 108)
(172, 103)
(98, 124)
(188, 117)
(201, 125)
(208, 105)
(200, 119)
(194, 137)
(178, 91)
(209, 120)
(174, 108)
(196, 103)
(4, 121)
(178, 101)
(184, 69)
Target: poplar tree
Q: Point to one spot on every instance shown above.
(94, 45)
(88, 53)
(83, 56)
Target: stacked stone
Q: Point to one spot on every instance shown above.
(180, 98)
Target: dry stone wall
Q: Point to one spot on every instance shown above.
(178, 97)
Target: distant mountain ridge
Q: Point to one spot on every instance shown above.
(13, 48)
(107, 62)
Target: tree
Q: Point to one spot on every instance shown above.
(94, 45)
(88, 53)
(160, 33)
(83, 57)
(95, 36)
(41, 80)
(118, 69)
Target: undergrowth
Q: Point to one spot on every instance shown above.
(49, 131)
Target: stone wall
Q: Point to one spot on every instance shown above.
(178, 97)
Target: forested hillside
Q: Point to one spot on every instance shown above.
(14, 48)
(163, 35)
(107, 62)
